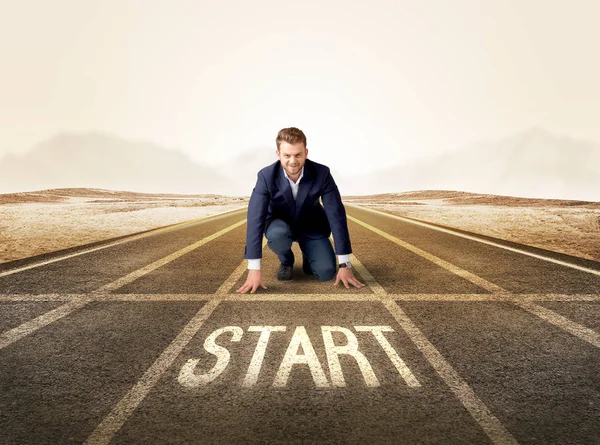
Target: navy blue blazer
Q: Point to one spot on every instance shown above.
(272, 199)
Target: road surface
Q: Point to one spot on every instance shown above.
(455, 338)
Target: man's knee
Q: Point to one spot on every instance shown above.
(325, 271)
(279, 234)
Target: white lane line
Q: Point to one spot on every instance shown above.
(377, 289)
(159, 263)
(548, 315)
(115, 243)
(398, 363)
(31, 326)
(491, 287)
(104, 433)
(580, 331)
(6, 298)
(128, 404)
(478, 410)
(302, 297)
(227, 286)
(40, 297)
(484, 241)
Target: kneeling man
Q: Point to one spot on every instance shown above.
(285, 207)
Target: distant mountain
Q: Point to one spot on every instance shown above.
(534, 164)
(103, 161)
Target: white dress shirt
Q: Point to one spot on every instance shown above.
(254, 264)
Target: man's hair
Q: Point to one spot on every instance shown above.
(290, 135)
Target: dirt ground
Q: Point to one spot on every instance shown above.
(36, 223)
(45, 221)
(570, 227)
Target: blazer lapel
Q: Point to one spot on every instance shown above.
(285, 188)
(303, 188)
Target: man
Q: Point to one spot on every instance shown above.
(285, 206)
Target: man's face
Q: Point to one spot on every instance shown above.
(292, 157)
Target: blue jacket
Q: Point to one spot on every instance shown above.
(272, 199)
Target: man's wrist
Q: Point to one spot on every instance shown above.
(254, 264)
(343, 258)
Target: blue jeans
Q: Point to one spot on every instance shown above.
(318, 252)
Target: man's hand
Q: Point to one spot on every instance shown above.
(346, 276)
(252, 282)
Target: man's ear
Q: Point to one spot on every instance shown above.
(306, 152)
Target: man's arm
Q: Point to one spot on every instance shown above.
(256, 220)
(336, 215)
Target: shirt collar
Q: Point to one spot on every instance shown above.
(299, 177)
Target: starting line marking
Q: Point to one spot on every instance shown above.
(509, 298)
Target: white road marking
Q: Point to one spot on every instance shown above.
(483, 241)
(31, 326)
(303, 297)
(350, 348)
(491, 287)
(369, 280)
(121, 412)
(401, 367)
(228, 284)
(498, 293)
(309, 357)
(129, 278)
(189, 379)
(115, 243)
(259, 352)
(580, 331)
(480, 412)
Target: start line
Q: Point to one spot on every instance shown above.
(190, 379)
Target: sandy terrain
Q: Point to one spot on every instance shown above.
(570, 227)
(35, 223)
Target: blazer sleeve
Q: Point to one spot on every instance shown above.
(256, 219)
(336, 215)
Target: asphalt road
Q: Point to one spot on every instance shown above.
(455, 339)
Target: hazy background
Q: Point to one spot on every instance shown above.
(485, 96)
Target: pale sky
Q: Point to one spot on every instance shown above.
(387, 81)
